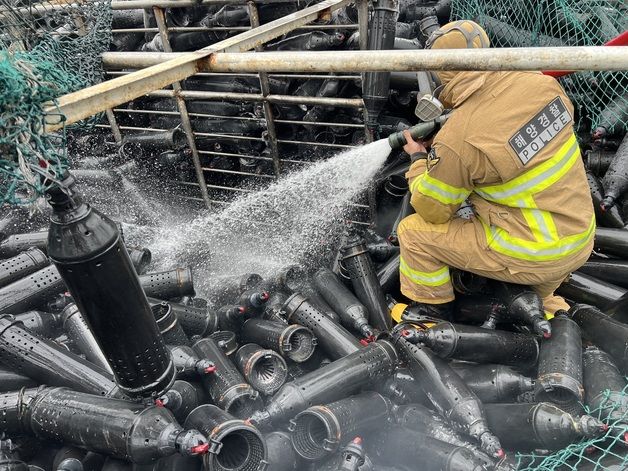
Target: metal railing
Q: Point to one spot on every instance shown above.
(267, 121)
(230, 56)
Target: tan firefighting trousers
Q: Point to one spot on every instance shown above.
(428, 250)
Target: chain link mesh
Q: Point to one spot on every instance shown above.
(47, 49)
(600, 97)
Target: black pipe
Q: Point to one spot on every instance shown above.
(604, 386)
(421, 419)
(180, 399)
(353, 456)
(404, 447)
(388, 275)
(559, 377)
(449, 394)
(12, 381)
(265, 370)
(226, 340)
(188, 364)
(360, 268)
(90, 255)
(381, 36)
(320, 430)
(524, 306)
(598, 161)
(45, 324)
(604, 331)
(281, 454)
(168, 284)
(618, 310)
(612, 119)
(225, 385)
(319, 302)
(292, 341)
(32, 291)
(45, 361)
(610, 217)
(494, 383)
(161, 140)
(583, 288)
(231, 317)
(609, 270)
(22, 265)
(615, 181)
(405, 210)
(116, 427)
(475, 344)
(353, 314)
(539, 426)
(82, 337)
(17, 243)
(235, 445)
(334, 339)
(365, 367)
(611, 241)
(140, 257)
(253, 300)
(168, 324)
(193, 320)
(403, 388)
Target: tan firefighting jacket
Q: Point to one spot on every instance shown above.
(509, 147)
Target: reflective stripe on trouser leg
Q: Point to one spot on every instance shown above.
(423, 278)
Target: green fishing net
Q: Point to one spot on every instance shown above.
(600, 97)
(47, 49)
(608, 452)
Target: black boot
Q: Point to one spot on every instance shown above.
(422, 312)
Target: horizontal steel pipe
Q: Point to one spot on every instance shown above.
(520, 58)
(91, 100)
(45, 8)
(278, 99)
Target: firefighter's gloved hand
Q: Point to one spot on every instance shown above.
(412, 146)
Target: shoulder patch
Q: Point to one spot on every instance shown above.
(432, 159)
(541, 129)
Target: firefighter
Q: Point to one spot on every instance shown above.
(508, 149)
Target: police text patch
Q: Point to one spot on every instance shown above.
(536, 133)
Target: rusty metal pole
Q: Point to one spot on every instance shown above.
(363, 28)
(265, 89)
(183, 110)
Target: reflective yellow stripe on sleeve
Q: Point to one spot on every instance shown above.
(415, 183)
(423, 278)
(440, 191)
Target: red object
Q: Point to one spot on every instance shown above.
(357, 440)
(159, 403)
(621, 40)
(210, 369)
(626, 437)
(265, 296)
(200, 449)
(364, 342)
(546, 335)
(501, 453)
(405, 333)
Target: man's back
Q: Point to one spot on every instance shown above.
(514, 133)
